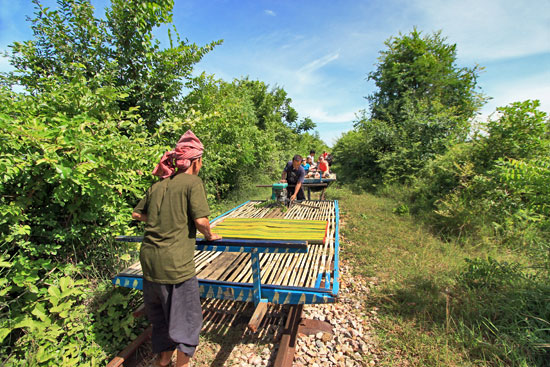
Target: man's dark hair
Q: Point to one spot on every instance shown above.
(297, 157)
(311, 151)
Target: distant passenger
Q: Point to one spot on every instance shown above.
(323, 167)
(312, 155)
(305, 165)
(329, 159)
(312, 165)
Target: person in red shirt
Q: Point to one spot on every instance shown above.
(323, 167)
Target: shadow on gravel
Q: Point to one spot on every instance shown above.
(225, 339)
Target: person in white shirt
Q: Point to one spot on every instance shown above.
(312, 155)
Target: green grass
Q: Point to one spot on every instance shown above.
(437, 309)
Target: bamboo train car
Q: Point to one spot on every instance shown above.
(290, 265)
(318, 184)
(311, 184)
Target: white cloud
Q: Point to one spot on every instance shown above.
(490, 29)
(270, 12)
(318, 113)
(319, 63)
(5, 64)
(307, 77)
(508, 91)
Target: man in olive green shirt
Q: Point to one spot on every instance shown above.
(174, 209)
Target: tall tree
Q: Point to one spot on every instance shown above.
(419, 72)
(424, 103)
(119, 52)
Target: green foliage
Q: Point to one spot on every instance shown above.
(423, 105)
(503, 312)
(488, 188)
(419, 73)
(245, 128)
(70, 177)
(51, 323)
(118, 52)
(527, 182)
(305, 125)
(53, 327)
(402, 209)
(358, 151)
(494, 187)
(489, 274)
(114, 324)
(521, 131)
(433, 308)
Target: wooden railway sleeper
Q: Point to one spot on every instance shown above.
(295, 325)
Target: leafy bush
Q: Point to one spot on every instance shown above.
(527, 181)
(68, 179)
(491, 187)
(493, 190)
(53, 322)
(68, 183)
(489, 274)
(506, 305)
(357, 152)
(52, 328)
(521, 131)
(117, 51)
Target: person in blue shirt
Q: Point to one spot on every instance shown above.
(294, 174)
(305, 165)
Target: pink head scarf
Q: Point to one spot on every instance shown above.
(188, 148)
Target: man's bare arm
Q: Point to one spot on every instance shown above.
(296, 191)
(138, 216)
(203, 225)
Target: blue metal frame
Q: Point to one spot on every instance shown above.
(256, 277)
(229, 211)
(336, 281)
(256, 292)
(239, 245)
(245, 291)
(319, 180)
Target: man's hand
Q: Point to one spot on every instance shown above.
(282, 181)
(214, 237)
(203, 225)
(140, 217)
(292, 198)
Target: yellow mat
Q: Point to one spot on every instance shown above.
(313, 231)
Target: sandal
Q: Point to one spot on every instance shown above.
(156, 363)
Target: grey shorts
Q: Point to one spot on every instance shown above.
(176, 314)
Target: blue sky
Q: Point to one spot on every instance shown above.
(321, 51)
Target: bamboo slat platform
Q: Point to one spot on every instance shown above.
(282, 275)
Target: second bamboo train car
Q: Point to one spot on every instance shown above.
(266, 255)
